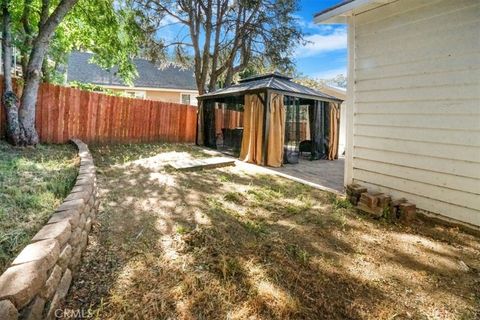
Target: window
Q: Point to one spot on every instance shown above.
(185, 98)
(136, 94)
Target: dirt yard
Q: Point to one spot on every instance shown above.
(233, 243)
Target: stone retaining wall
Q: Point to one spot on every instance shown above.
(38, 279)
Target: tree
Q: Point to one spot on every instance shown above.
(21, 118)
(103, 27)
(337, 81)
(45, 41)
(222, 37)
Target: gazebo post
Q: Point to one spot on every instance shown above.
(265, 86)
(199, 128)
(266, 123)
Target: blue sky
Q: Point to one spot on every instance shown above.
(326, 54)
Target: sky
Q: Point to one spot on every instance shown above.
(325, 56)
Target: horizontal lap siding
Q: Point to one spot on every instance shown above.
(417, 104)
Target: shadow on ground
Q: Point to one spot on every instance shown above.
(230, 244)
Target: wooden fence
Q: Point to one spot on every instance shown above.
(63, 113)
(229, 119)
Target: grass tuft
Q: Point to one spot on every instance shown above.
(235, 197)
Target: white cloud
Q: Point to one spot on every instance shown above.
(318, 43)
(309, 25)
(329, 74)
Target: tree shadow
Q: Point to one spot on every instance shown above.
(227, 244)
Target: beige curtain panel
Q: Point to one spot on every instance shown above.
(252, 144)
(334, 131)
(276, 131)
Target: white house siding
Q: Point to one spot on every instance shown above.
(416, 122)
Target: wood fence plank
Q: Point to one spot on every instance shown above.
(39, 112)
(63, 113)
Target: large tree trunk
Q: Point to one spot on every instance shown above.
(29, 96)
(10, 101)
(32, 77)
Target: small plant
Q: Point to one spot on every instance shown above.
(230, 267)
(235, 197)
(339, 202)
(298, 253)
(258, 228)
(216, 207)
(387, 213)
(183, 230)
(225, 178)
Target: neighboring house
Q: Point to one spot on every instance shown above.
(170, 84)
(413, 116)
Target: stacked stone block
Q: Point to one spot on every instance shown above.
(354, 191)
(37, 281)
(380, 205)
(374, 204)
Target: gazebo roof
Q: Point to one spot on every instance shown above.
(272, 81)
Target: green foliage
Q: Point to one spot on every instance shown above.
(96, 88)
(235, 197)
(256, 227)
(298, 253)
(337, 81)
(183, 230)
(106, 29)
(339, 202)
(103, 27)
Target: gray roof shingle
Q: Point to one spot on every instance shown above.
(274, 81)
(149, 75)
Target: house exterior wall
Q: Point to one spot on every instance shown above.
(173, 96)
(416, 104)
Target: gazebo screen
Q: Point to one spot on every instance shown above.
(298, 129)
(229, 125)
(306, 119)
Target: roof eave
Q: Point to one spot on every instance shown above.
(239, 93)
(339, 13)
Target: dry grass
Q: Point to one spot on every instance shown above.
(231, 244)
(33, 182)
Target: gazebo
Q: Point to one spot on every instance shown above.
(269, 120)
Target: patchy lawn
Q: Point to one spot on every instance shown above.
(33, 182)
(235, 243)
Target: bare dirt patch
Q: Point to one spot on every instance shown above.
(231, 243)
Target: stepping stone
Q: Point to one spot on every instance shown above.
(198, 164)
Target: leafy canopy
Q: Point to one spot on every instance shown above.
(104, 27)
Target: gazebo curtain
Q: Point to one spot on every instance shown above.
(333, 133)
(324, 129)
(252, 142)
(276, 131)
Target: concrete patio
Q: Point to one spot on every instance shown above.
(320, 174)
(324, 173)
